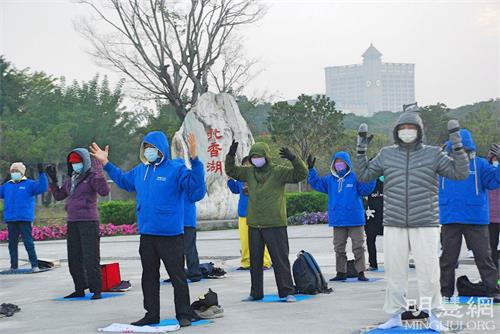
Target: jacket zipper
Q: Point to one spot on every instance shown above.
(407, 175)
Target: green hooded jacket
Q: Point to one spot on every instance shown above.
(266, 187)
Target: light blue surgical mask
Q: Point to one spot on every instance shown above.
(16, 176)
(78, 167)
(495, 163)
(381, 178)
(151, 154)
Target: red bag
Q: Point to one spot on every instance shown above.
(110, 275)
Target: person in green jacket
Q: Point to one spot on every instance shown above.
(267, 219)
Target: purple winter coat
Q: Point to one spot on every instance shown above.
(82, 204)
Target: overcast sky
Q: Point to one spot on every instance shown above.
(455, 44)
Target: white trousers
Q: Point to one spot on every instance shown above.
(423, 242)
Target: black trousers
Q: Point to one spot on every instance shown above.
(193, 271)
(477, 238)
(276, 240)
(371, 239)
(171, 251)
(494, 229)
(84, 255)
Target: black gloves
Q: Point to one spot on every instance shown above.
(495, 150)
(363, 139)
(285, 153)
(311, 161)
(39, 166)
(233, 148)
(52, 173)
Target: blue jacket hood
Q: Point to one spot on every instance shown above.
(344, 156)
(467, 141)
(159, 140)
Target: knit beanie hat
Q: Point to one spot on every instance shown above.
(74, 158)
(19, 166)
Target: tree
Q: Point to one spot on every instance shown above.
(435, 123)
(312, 125)
(484, 125)
(170, 51)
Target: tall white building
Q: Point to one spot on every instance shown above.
(372, 86)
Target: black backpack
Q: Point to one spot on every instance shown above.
(468, 289)
(307, 275)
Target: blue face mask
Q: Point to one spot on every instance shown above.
(78, 167)
(151, 154)
(381, 178)
(16, 176)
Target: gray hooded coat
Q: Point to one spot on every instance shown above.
(411, 176)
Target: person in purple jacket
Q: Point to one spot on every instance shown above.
(80, 190)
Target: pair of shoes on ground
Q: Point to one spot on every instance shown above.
(370, 268)
(433, 322)
(81, 293)
(343, 277)
(153, 320)
(288, 299)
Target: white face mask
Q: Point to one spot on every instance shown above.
(258, 162)
(407, 135)
(495, 163)
(16, 176)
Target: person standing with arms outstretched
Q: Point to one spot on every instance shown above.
(160, 184)
(267, 222)
(411, 216)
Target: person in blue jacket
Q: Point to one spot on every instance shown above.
(160, 184)
(193, 271)
(241, 188)
(464, 210)
(346, 213)
(19, 199)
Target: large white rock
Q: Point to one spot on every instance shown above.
(214, 112)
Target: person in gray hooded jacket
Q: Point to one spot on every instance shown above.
(411, 215)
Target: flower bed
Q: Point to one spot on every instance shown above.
(308, 218)
(55, 232)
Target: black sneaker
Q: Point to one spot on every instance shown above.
(185, 322)
(339, 277)
(242, 268)
(96, 295)
(362, 277)
(370, 268)
(414, 315)
(76, 294)
(147, 320)
(495, 297)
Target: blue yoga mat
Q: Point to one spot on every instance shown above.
(88, 295)
(171, 322)
(276, 298)
(401, 330)
(22, 271)
(355, 280)
(469, 300)
(189, 282)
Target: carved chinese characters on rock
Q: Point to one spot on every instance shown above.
(214, 149)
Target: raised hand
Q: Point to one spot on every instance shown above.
(363, 139)
(311, 161)
(285, 153)
(233, 148)
(192, 146)
(454, 135)
(39, 166)
(52, 173)
(99, 154)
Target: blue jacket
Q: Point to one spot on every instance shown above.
(160, 188)
(466, 202)
(236, 187)
(345, 194)
(19, 198)
(190, 206)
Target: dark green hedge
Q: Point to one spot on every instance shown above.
(117, 212)
(306, 202)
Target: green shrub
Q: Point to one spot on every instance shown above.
(117, 212)
(306, 202)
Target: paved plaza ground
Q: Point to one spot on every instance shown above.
(351, 308)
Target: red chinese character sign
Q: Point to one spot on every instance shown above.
(215, 121)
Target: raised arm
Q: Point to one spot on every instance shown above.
(98, 181)
(317, 182)
(455, 166)
(42, 184)
(365, 188)
(192, 181)
(236, 172)
(234, 186)
(126, 181)
(366, 170)
(295, 174)
(59, 193)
